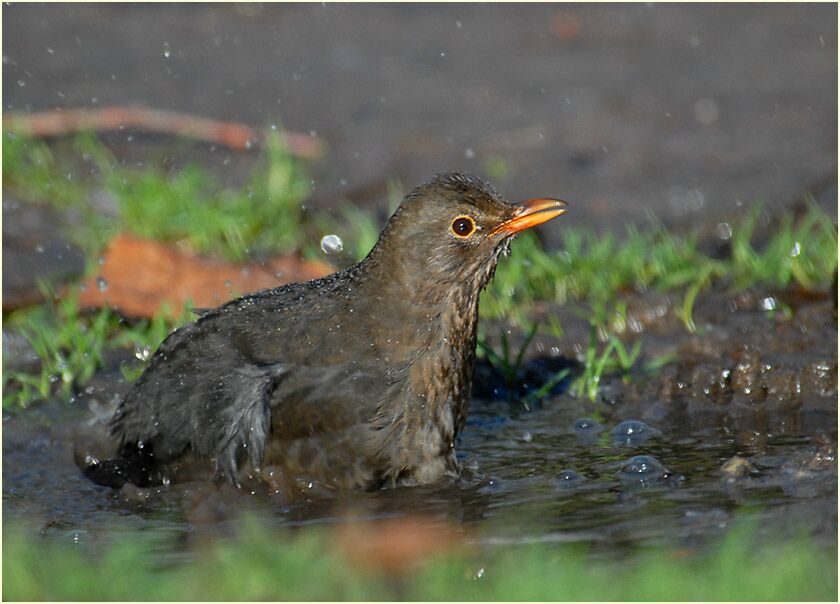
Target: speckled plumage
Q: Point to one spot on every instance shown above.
(357, 380)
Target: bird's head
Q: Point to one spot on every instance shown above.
(448, 234)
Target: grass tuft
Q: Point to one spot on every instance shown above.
(271, 565)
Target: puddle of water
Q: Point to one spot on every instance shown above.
(529, 476)
(643, 464)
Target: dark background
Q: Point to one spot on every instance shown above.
(686, 110)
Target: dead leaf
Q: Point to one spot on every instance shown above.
(398, 545)
(138, 276)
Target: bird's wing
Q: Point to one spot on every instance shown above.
(222, 384)
(199, 393)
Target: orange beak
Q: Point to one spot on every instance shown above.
(530, 213)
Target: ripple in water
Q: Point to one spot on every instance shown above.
(568, 479)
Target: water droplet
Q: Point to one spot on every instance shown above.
(331, 244)
(768, 303)
(39, 248)
(101, 284)
(723, 231)
(795, 250)
(478, 574)
(469, 153)
(459, 25)
(50, 50)
(142, 353)
(21, 83)
(166, 50)
(527, 437)
(706, 111)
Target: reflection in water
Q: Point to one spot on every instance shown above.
(555, 486)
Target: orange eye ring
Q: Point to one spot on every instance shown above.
(463, 226)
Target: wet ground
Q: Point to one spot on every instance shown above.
(745, 418)
(680, 111)
(683, 112)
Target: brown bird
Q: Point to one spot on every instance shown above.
(357, 380)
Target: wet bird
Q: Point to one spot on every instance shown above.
(360, 379)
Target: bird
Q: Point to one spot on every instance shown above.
(357, 380)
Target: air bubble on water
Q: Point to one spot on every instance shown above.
(166, 50)
(469, 153)
(632, 433)
(142, 353)
(331, 244)
(101, 284)
(795, 250)
(568, 478)
(631, 426)
(642, 468)
(586, 424)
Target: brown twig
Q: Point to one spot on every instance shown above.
(57, 122)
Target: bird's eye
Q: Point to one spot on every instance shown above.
(463, 226)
